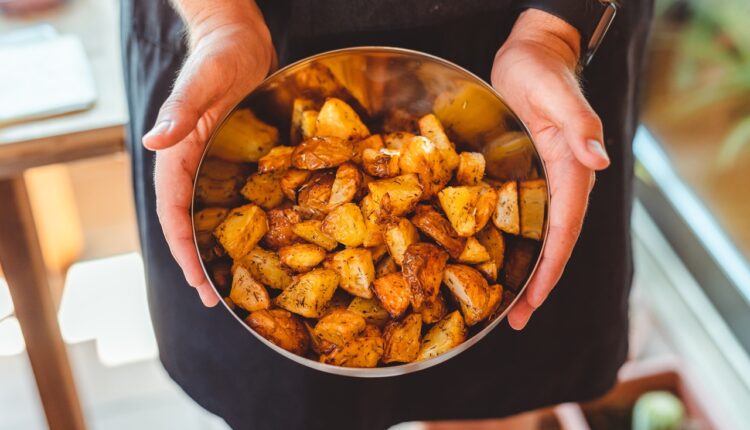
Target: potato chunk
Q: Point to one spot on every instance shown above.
(280, 327)
(216, 168)
(297, 130)
(431, 128)
(264, 190)
(346, 224)
(217, 192)
(385, 266)
(266, 267)
(309, 293)
(488, 269)
(362, 351)
(421, 156)
(373, 142)
(339, 327)
(423, 270)
(301, 257)
(313, 195)
(468, 208)
(474, 252)
(470, 168)
(206, 220)
(506, 216)
(373, 229)
(382, 163)
(248, 293)
(402, 340)
(345, 186)
(494, 302)
(494, 243)
(312, 232)
(393, 292)
(280, 232)
(241, 230)
(448, 333)
(397, 140)
(356, 271)
(434, 225)
(470, 289)
(338, 119)
(398, 236)
(291, 180)
(244, 138)
(433, 310)
(278, 159)
(396, 196)
(370, 309)
(533, 199)
(321, 152)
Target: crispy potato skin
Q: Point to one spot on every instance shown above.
(495, 300)
(339, 327)
(312, 231)
(241, 230)
(322, 152)
(264, 190)
(248, 293)
(399, 234)
(506, 216)
(434, 225)
(301, 257)
(494, 243)
(396, 196)
(443, 336)
(393, 292)
(402, 340)
(362, 351)
(346, 224)
(474, 252)
(309, 293)
(433, 310)
(373, 142)
(423, 270)
(313, 195)
(266, 267)
(356, 271)
(470, 290)
(338, 119)
(291, 180)
(533, 199)
(345, 186)
(278, 159)
(470, 168)
(280, 327)
(381, 163)
(370, 309)
(280, 232)
(244, 138)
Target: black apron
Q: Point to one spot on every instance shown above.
(573, 345)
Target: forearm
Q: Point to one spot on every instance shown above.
(204, 17)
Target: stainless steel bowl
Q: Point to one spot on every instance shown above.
(380, 80)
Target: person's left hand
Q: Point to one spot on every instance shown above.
(535, 71)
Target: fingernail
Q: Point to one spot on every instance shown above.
(161, 127)
(597, 148)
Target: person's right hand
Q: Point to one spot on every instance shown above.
(230, 54)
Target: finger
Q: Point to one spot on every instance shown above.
(520, 314)
(207, 294)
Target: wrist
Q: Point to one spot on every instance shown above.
(544, 29)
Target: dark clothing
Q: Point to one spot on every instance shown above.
(571, 349)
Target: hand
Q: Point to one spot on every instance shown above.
(230, 55)
(535, 71)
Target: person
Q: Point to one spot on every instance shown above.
(187, 64)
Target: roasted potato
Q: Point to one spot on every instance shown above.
(378, 252)
(397, 140)
(216, 168)
(488, 269)
(433, 310)
(345, 186)
(313, 195)
(264, 190)
(506, 216)
(291, 180)
(266, 267)
(206, 220)
(381, 163)
(301, 257)
(372, 142)
(278, 159)
(248, 293)
(385, 266)
(373, 229)
(309, 293)
(297, 129)
(241, 230)
(356, 271)
(468, 208)
(434, 225)
(470, 168)
(362, 351)
(338, 119)
(494, 301)
(318, 79)
(322, 152)
(431, 128)
(340, 301)
(339, 327)
(396, 196)
(217, 192)
(402, 340)
(470, 290)
(280, 327)
(399, 234)
(533, 199)
(494, 243)
(319, 346)
(280, 228)
(422, 157)
(312, 231)
(448, 333)
(244, 138)
(393, 292)
(474, 252)
(345, 224)
(371, 310)
(423, 270)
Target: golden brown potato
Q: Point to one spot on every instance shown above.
(241, 230)
(372, 142)
(397, 140)
(431, 128)
(423, 270)
(230, 303)
(474, 252)
(280, 232)
(470, 168)
(217, 192)
(468, 208)
(346, 224)
(396, 196)
(506, 216)
(318, 79)
(470, 290)
(488, 269)
(494, 243)
(371, 330)
(309, 124)
(373, 229)
(433, 310)
(338, 119)
(448, 333)
(248, 293)
(313, 195)
(402, 340)
(309, 293)
(339, 327)
(244, 138)
(385, 266)
(434, 225)
(422, 157)
(356, 271)
(378, 252)
(278, 159)
(301, 257)
(393, 292)
(321, 152)
(299, 107)
(362, 351)
(280, 327)
(319, 346)
(291, 180)
(371, 310)
(206, 220)
(312, 232)
(399, 234)
(533, 199)
(345, 185)
(340, 301)
(494, 301)
(216, 168)
(382, 163)
(264, 190)
(266, 267)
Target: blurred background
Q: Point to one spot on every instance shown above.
(76, 344)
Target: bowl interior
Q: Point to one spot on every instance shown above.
(389, 87)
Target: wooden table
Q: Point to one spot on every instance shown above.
(97, 131)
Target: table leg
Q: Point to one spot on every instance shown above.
(25, 273)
